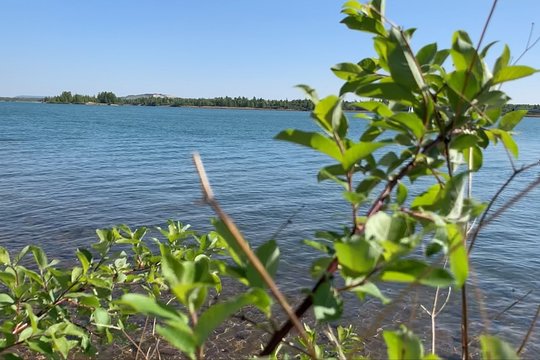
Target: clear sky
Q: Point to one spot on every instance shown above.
(216, 48)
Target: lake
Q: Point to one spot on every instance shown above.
(67, 170)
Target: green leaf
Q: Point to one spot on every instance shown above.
(494, 348)
(411, 270)
(179, 335)
(101, 318)
(268, 254)
(217, 314)
(368, 184)
(4, 257)
(61, 345)
(39, 256)
(232, 245)
(401, 194)
(464, 83)
(356, 255)
(146, 305)
(386, 91)
(311, 93)
(376, 107)
(354, 197)
(464, 141)
(5, 299)
(364, 23)
(40, 346)
(319, 266)
(428, 198)
(459, 260)
(327, 304)
(370, 288)
(509, 143)
(411, 122)
(513, 72)
(440, 57)
(328, 113)
(358, 152)
(464, 54)
(332, 172)
(347, 71)
(318, 245)
(381, 227)
(502, 61)
(8, 278)
(90, 300)
(511, 119)
(312, 140)
(25, 334)
(85, 258)
(426, 54)
(401, 69)
(403, 345)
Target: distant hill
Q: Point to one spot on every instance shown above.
(23, 98)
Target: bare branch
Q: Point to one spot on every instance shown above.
(242, 243)
(529, 332)
(483, 220)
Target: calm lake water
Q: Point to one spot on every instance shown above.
(67, 170)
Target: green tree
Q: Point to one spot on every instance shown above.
(107, 97)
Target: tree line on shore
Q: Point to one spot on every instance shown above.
(110, 98)
(105, 97)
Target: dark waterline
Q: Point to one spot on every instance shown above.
(67, 170)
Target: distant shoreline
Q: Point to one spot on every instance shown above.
(529, 114)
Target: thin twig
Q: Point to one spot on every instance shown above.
(139, 350)
(254, 260)
(482, 221)
(512, 305)
(142, 337)
(513, 200)
(529, 332)
(287, 222)
(529, 45)
(464, 315)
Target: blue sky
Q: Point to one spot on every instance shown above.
(217, 48)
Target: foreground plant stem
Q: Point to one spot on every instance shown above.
(242, 243)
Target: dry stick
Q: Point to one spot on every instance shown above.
(242, 243)
(529, 332)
